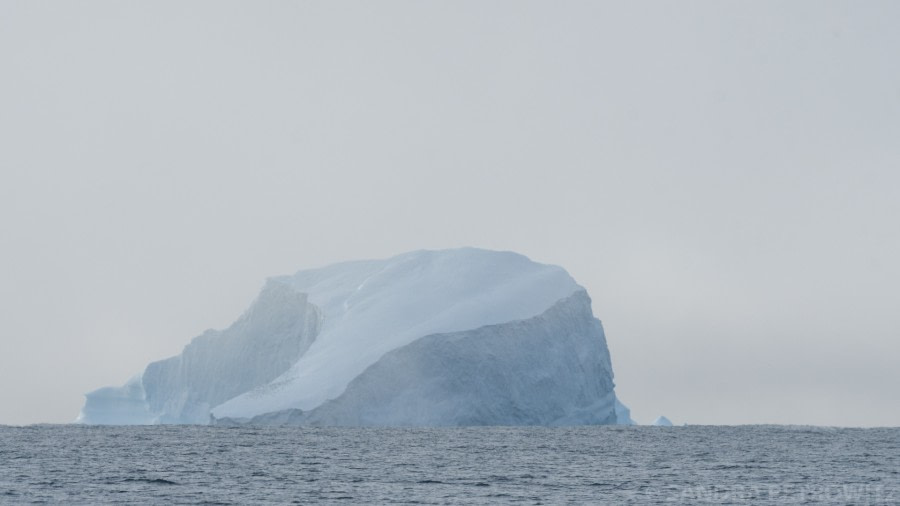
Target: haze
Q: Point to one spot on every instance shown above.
(721, 176)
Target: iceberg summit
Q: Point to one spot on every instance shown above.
(428, 338)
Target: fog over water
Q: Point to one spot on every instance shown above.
(720, 176)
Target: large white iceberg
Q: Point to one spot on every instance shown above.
(453, 337)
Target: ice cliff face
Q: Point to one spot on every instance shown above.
(456, 337)
(547, 370)
(215, 367)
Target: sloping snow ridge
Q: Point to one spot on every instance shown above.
(408, 340)
(216, 366)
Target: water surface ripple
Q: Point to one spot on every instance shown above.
(503, 465)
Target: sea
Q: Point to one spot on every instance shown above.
(73, 464)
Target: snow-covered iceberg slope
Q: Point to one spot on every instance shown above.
(215, 367)
(454, 337)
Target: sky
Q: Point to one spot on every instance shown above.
(721, 176)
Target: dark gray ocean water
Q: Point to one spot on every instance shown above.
(598, 465)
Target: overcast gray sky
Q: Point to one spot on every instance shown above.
(721, 176)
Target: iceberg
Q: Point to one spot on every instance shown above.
(428, 338)
(623, 414)
(662, 421)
